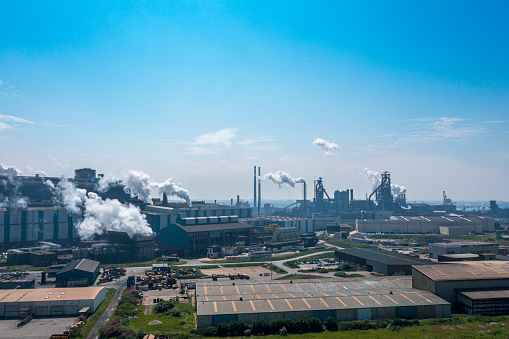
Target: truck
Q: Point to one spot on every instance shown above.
(190, 285)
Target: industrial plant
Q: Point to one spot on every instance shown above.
(69, 227)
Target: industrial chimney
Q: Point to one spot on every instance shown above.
(254, 200)
(259, 191)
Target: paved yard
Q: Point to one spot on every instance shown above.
(36, 329)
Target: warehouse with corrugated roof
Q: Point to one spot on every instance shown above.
(50, 301)
(225, 301)
(422, 224)
(380, 261)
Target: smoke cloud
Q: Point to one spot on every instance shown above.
(282, 178)
(9, 171)
(141, 185)
(99, 215)
(326, 146)
(376, 179)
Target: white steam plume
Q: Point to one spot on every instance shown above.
(139, 184)
(9, 171)
(326, 146)
(171, 188)
(282, 178)
(376, 179)
(100, 215)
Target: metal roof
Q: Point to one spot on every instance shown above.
(214, 227)
(383, 257)
(493, 294)
(214, 298)
(467, 270)
(81, 265)
(49, 294)
(463, 243)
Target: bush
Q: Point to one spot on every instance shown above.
(302, 325)
(330, 324)
(222, 329)
(206, 331)
(164, 307)
(247, 332)
(283, 332)
(237, 328)
(260, 327)
(315, 325)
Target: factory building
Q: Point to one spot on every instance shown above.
(457, 282)
(82, 272)
(380, 261)
(462, 247)
(33, 224)
(43, 302)
(190, 237)
(400, 224)
(159, 217)
(218, 302)
(304, 225)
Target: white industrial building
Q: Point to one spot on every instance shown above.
(421, 224)
(304, 225)
(50, 301)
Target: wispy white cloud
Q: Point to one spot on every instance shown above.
(10, 122)
(212, 143)
(264, 143)
(445, 128)
(1, 82)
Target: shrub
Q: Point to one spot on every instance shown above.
(301, 325)
(247, 332)
(330, 324)
(283, 332)
(237, 327)
(260, 326)
(222, 329)
(164, 307)
(206, 332)
(315, 325)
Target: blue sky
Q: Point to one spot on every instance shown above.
(202, 91)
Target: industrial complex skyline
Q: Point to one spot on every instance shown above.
(201, 93)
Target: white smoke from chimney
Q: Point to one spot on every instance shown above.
(326, 146)
(376, 179)
(9, 171)
(98, 215)
(139, 184)
(72, 198)
(171, 188)
(282, 178)
(397, 189)
(111, 215)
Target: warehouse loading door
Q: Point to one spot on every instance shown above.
(71, 310)
(57, 310)
(41, 311)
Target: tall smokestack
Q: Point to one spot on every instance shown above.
(254, 200)
(238, 200)
(351, 194)
(231, 203)
(259, 191)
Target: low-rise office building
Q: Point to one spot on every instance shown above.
(462, 247)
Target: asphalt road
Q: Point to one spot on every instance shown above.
(103, 319)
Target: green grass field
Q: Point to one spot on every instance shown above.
(183, 324)
(346, 243)
(274, 258)
(93, 318)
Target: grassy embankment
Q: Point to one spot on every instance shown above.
(94, 317)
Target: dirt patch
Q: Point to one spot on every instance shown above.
(249, 270)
